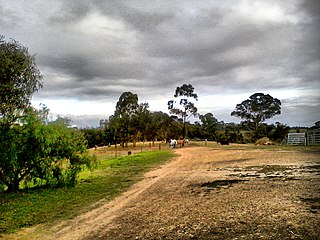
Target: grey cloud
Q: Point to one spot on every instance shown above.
(312, 7)
(84, 68)
(151, 47)
(69, 12)
(8, 18)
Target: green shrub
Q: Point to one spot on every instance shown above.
(35, 153)
(248, 137)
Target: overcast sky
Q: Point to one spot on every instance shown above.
(91, 51)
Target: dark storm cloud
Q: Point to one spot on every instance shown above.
(70, 13)
(98, 49)
(86, 69)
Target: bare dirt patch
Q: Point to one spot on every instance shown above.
(211, 193)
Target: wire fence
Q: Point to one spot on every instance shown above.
(115, 151)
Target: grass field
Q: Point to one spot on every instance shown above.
(44, 205)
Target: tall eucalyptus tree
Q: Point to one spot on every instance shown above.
(184, 108)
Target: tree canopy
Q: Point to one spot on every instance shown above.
(257, 109)
(19, 78)
(186, 107)
(33, 151)
(209, 125)
(126, 105)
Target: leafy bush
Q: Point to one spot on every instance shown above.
(220, 136)
(260, 132)
(280, 132)
(248, 137)
(235, 137)
(35, 153)
(229, 136)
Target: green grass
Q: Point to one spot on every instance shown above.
(45, 205)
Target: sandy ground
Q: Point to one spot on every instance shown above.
(208, 193)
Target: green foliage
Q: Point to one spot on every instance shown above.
(248, 137)
(34, 153)
(131, 122)
(186, 108)
(209, 125)
(126, 105)
(276, 133)
(186, 91)
(96, 137)
(257, 108)
(122, 120)
(157, 126)
(175, 127)
(221, 136)
(194, 131)
(31, 151)
(279, 132)
(231, 134)
(259, 132)
(19, 78)
(141, 122)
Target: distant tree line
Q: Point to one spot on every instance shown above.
(133, 121)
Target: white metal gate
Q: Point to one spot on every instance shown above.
(296, 139)
(313, 137)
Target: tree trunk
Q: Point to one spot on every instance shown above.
(13, 186)
(184, 131)
(184, 126)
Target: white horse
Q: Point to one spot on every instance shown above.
(172, 143)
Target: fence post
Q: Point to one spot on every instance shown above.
(159, 146)
(115, 150)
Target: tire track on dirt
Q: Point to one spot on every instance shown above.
(102, 217)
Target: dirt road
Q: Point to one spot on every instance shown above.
(208, 193)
